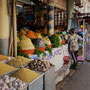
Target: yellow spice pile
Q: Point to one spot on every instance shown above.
(19, 61)
(4, 68)
(26, 75)
(2, 57)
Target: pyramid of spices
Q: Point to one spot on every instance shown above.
(4, 68)
(25, 44)
(19, 61)
(26, 75)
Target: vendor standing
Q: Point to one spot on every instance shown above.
(74, 46)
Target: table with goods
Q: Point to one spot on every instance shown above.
(18, 74)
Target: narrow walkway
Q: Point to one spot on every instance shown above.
(80, 80)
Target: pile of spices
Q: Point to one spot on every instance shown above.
(4, 68)
(19, 61)
(26, 75)
(2, 57)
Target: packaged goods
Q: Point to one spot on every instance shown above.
(19, 61)
(46, 40)
(4, 68)
(25, 44)
(26, 75)
(11, 83)
(2, 57)
(40, 65)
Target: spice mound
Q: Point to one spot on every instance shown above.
(11, 83)
(19, 61)
(26, 75)
(25, 44)
(2, 57)
(46, 40)
(4, 68)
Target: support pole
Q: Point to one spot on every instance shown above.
(50, 12)
(15, 28)
(84, 39)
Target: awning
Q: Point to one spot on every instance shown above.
(61, 4)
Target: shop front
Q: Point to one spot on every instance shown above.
(37, 47)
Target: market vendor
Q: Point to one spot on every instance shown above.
(74, 46)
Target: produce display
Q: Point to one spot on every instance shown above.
(25, 44)
(39, 35)
(18, 40)
(18, 61)
(11, 83)
(22, 32)
(40, 65)
(2, 57)
(31, 34)
(46, 40)
(4, 68)
(55, 40)
(23, 54)
(26, 75)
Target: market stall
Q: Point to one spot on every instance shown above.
(37, 55)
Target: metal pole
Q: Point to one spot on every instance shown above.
(83, 38)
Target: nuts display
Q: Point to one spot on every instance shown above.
(40, 65)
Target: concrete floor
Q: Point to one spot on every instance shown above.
(80, 80)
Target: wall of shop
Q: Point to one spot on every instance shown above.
(4, 28)
(86, 6)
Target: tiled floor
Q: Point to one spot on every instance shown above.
(80, 80)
